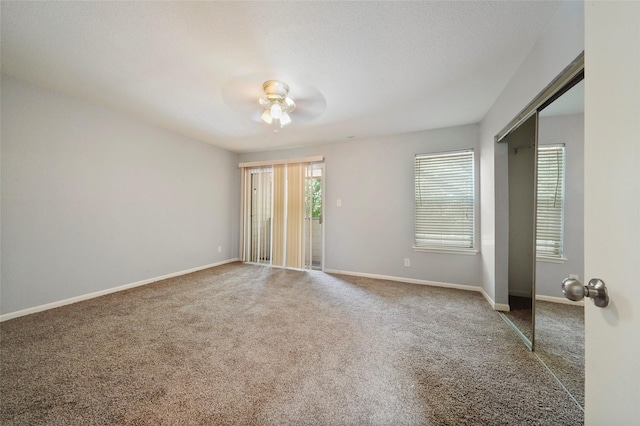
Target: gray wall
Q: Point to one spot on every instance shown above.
(92, 199)
(567, 129)
(373, 231)
(561, 43)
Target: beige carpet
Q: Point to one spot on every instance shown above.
(559, 340)
(560, 343)
(243, 344)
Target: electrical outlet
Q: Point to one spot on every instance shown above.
(219, 249)
(407, 262)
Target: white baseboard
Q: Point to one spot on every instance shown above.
(494, 305)
(403, 280)
(551, 299)
(562, 300)
(95, 294)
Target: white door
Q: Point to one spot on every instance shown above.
(612, 211)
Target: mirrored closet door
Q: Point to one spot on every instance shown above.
(540, 226)
(559, 340)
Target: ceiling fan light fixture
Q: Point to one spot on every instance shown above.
(276, 110)
(289, 104)
(277, 105)
(266, 116)
(285, 119)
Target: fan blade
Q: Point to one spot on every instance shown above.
(242, 95)
(310, 103)
(309, 109)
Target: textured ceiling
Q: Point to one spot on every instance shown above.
(379, 67)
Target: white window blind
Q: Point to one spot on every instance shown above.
(444, 200)
(550, 201)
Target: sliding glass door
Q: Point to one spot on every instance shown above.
(282, 215)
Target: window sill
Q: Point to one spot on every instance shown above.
(551, 259)
(468, 252)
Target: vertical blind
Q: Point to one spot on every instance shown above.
(274, 211)
(279, 210)
(550, 201)
(444, 200)
(295, 216)
(259, 217)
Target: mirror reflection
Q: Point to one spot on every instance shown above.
(559, 323)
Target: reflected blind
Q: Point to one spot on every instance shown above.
(550, 201)
(444, 200)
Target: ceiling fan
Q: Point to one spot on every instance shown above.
(277, 104)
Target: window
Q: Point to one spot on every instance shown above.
(550, 201)
(444, 201)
